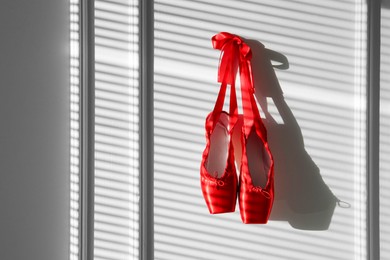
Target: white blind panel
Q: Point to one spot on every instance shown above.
(319, 147)
(74, 129)
(116, 130)
(385, 132)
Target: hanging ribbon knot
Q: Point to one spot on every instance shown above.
(234, 53)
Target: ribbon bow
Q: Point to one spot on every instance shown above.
(234, 53)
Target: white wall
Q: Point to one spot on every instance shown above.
(318, 146)
(116, 130)
(34, 132)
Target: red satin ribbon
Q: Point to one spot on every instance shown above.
(235, 53)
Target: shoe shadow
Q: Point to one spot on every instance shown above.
(301, 196)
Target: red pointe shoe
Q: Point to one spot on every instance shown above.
(256, 179)
(218, 172)
(256, 192)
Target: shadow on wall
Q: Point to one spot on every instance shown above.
(301, 196)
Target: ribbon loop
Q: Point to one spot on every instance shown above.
(235, 53)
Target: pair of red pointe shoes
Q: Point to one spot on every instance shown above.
(220, 184)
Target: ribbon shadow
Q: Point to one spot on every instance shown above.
(301, 196)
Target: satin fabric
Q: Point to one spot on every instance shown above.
(220, 193)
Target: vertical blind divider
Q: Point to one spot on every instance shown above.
(373, 104)
(146, 45)
(87, 133)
